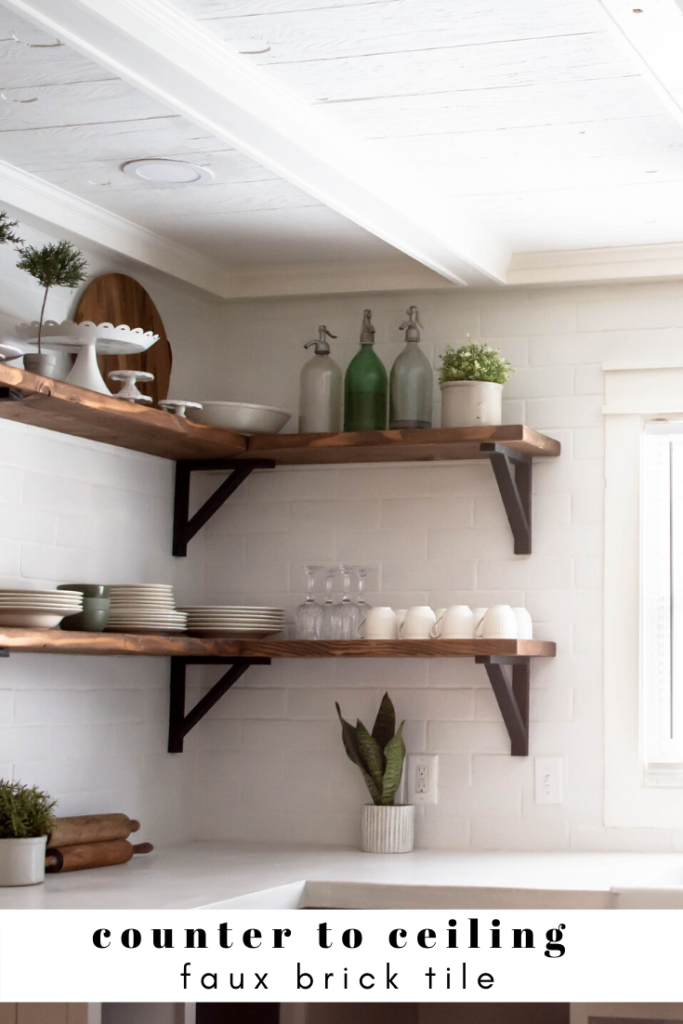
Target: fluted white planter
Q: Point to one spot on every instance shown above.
(388, 829)
(471, 403)
(22, 861)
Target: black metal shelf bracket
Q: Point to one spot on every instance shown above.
(512, 696)
(10, 395)
(513, 473)
(180, 723)
(4, 652)
(184, 527)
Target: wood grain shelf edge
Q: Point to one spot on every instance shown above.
(55, 641)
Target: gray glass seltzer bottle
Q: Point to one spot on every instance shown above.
(412, 381)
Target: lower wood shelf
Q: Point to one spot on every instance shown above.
(511, 691)
(55, 641)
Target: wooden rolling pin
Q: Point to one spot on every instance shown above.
(91, 828)
(91, 855)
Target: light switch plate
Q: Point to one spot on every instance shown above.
(548, 775)
(422, 778)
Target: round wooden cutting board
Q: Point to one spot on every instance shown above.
(119, 299)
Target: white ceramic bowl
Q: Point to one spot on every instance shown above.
(240, 416)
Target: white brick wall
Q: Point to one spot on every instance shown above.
(433, 534)
(267, 763)
(92, 731)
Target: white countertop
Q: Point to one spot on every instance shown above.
(250, 875)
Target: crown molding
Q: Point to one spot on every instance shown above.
(160, 50)
(280, 280)
(617, 263)
(38, 197)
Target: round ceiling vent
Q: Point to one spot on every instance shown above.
(167, 172)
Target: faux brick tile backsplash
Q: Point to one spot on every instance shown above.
(267, 763)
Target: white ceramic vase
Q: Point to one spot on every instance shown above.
(22, 861)
(471, 403)
(388, 829)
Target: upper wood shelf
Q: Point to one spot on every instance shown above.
(67, 409)
(439, 444)
(55, 641)
(54, 405)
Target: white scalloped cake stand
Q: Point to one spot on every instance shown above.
(88, 339)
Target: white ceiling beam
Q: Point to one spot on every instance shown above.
(651, 32)
(171, 57)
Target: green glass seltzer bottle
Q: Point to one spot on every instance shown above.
(412, 382)
(366, 385)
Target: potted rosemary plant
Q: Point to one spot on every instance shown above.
(25, 822)
(471, 380)
(386, 827)
(58, 265)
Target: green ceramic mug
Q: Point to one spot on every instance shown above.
(95, 614)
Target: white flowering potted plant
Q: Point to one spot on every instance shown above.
(471, 381)
(26, 820)
(387, 827)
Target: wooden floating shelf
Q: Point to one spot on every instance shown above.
(67, 409)
(56, 641)
(439, 444)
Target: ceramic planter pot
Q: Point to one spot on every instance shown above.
(388, 829)
(471, 403)
(22, 861)
(44, 365)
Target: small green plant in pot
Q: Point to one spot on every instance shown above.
(26, 820)
(56, 265)
(387, 827)
(472, 380)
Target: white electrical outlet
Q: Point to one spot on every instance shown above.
(422, 779)
(548, 771)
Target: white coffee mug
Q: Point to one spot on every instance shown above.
(457, 623)
(499, 623)
(436, 628)
(400, 616)
(525, 628)
(379, 624)
(479, 614)
(418, 623)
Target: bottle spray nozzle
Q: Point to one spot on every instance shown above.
(412, 324)
(367, 334)
(322, 347)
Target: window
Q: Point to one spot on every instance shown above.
(661, 592)
(643, 593)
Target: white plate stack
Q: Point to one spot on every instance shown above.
(38, 609)
(144, 608)
(234, 621)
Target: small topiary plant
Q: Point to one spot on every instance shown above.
(474, 362)
(25, 812)
(59, 264)
(6, 232)
(379, 755)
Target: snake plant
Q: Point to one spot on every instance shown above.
(379, 754)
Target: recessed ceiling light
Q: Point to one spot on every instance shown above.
(167, 172)
(31, 36)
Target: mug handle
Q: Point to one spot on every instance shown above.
(434, 635)
(477, 626)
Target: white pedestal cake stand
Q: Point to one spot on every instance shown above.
(87, 339)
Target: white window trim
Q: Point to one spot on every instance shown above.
(633, 394)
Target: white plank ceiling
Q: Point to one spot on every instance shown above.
(529, 114)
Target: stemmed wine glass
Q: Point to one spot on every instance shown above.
(362, 574)
(329, 625)
(309, 614)
(347, 611)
